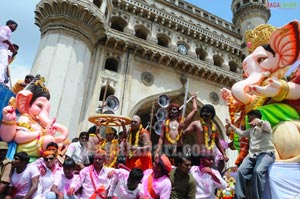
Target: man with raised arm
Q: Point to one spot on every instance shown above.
(170, 140)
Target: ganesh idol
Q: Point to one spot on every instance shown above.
(272, 85)
(33, 129)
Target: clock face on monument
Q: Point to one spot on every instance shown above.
(182, 49)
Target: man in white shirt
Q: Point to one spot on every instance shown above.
(5, 45)
(78, 151)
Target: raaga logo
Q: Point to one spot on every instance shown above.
(286, 5)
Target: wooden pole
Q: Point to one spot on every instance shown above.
(185, 98)
(104, 96)
(151, 116)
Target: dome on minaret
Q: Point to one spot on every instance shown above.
(247, 14)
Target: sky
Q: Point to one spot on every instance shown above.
(27, 36)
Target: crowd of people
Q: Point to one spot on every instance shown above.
(112, 166)
(128, 165)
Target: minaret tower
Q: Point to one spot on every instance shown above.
(247, 14)
(70, 31)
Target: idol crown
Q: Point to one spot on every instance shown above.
(258, 36)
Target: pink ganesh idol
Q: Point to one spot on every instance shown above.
(272, 86)
(33, 129)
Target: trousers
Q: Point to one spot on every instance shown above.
(253, 170)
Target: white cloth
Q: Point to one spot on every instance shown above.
(205, 184)
(161, 186)
(22, 181)
(78, 153)
(119, 186)
(283, 181)
(5, 34)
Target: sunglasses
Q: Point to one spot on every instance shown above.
(51, 158)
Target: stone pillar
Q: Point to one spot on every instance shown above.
(65, 54)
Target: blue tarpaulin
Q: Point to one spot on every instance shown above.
(5, 95)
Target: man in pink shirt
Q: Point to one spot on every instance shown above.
(207, 178)
(63, 180)
(126, 184)
(93, 179)
(156, 182)
(24, 178)
(48, 168)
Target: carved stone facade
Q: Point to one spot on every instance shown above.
(129, 48)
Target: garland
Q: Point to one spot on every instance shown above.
(113, 152)
(213, 135)
(136, 141)
(167, 133)
(232, 110)
(25, 125)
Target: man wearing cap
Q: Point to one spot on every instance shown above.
(5, 168)
(206, 134)
(48, 169)
(52, 146)
(156, 182)
(110, 145)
